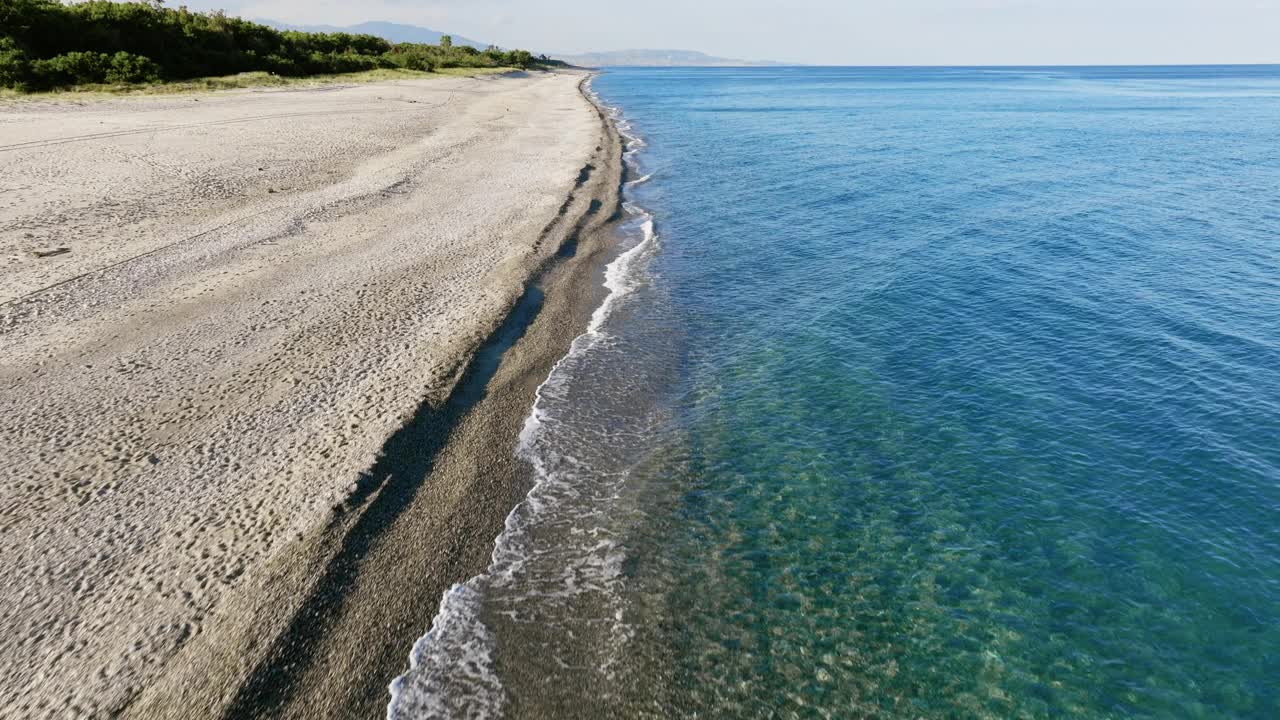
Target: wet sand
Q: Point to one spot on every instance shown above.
(249, 439)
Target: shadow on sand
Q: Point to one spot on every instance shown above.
(406, 460)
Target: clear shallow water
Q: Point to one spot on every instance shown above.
(938, 393)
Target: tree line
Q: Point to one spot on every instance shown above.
(45, 44)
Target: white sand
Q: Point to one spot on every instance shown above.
(204, 375)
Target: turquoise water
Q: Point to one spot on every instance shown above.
(937, 393)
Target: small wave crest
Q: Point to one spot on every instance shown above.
(460, 642)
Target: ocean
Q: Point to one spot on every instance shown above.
(919, 393)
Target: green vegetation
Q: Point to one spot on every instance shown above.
(255, 80)
(45, 45)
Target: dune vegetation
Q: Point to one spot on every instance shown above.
(49, 45)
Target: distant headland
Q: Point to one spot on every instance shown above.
(656, 58)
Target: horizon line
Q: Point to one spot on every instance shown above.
(766, 65)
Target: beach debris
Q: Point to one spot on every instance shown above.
(51, 253)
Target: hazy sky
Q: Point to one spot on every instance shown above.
(858, 32)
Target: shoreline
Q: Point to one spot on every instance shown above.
(384, 570)
(246, 338)
(477, 660)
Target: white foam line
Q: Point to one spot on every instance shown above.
(457, 621)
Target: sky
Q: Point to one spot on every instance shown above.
(836, 32)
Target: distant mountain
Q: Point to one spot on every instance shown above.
(656, 58)
(393, 32)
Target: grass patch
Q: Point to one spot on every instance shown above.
(254, 80)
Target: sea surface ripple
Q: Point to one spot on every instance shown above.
(947, 393)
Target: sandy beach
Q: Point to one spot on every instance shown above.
(255, 418)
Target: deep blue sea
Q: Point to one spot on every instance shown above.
(921, 393)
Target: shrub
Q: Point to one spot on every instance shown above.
(411, 57)
(519, 58)
(127, 68)
(73, 68)
(346, 62)
(281, 65)
(14, 68)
